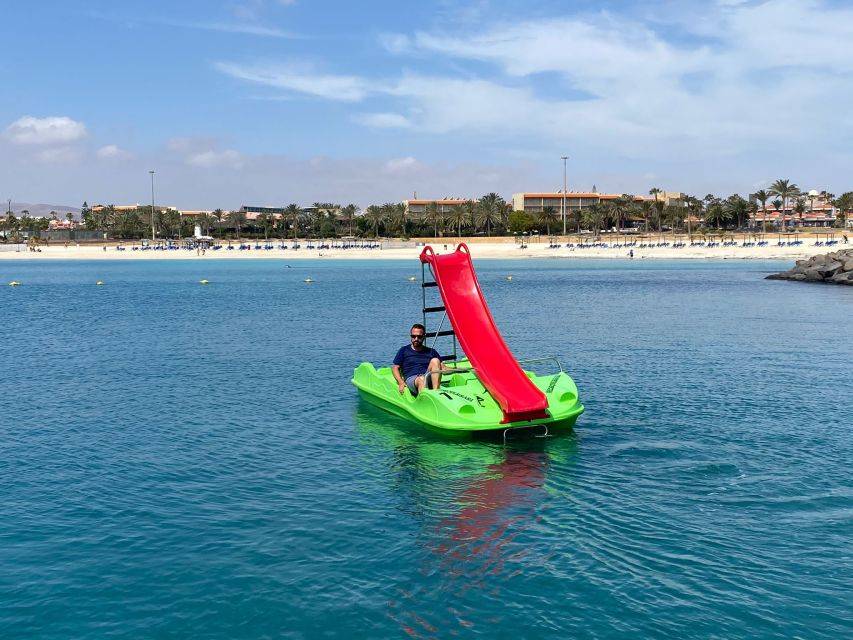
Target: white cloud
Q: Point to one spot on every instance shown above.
(244, 28)
(210, 159)
(401, 165)
(45, 131)
(301, 78)
(604, 83)
(112, 151)
(58, 155)
(383, 120)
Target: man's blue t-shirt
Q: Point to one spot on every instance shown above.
(414, 363)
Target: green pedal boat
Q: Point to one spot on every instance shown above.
(462, 403)
(487, 390)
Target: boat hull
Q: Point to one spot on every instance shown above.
(462, 405)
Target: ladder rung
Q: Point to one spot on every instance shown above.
(433, 309)
(435, 334)
(429, 284)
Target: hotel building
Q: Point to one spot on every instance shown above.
(575, 200)
(417, 208)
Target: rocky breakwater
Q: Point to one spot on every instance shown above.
(835, 267)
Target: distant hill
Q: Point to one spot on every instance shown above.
(43, 210)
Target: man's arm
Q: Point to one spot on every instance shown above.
(401, 384)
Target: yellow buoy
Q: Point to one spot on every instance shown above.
(99, 282)
(14, 283)
(204, 281)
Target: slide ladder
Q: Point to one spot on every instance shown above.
(478, 335)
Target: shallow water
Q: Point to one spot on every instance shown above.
(179, 460)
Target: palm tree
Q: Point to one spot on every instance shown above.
(292, 212)
(457, 216)
(237, 219)
(737, 209)
(432, 214)
(593, 216)
(673, 215)
(646, 211)
(785, 190)
(620, 209)
(843, 204)
(470, 209)
(348, 213)
(546, 217)
(398, 213)
(375, 214)
(265, 221)
(491, 210)
(218, 215)
(716, 213)
(800, 208)
(657, 215)
(762, 196)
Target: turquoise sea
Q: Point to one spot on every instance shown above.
(188, 461)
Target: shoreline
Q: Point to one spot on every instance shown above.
(479, 250)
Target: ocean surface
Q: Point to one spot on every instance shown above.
(188, 461)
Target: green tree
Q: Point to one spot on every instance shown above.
(737, 209)
(546, 217)
(800, 207)
(348, 214)
(266, 222)
(646, 208)
(237, 219)
(843, 205)
(715, 213)
(458, 216)
(293, 213)
(657, 213)
(219, 216)
(593, 217)
(470, 209)
(433, 215)
(620, 209)
(376, 216)
(785, 190)
(520, 222)
(491, 210)
(762, 196)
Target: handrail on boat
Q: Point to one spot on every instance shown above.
(528, 361)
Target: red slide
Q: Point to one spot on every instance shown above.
(476, 331)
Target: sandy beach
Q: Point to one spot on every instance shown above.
(480, 249)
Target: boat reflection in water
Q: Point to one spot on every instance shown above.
(476, 506)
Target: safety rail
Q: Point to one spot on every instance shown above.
(521, 362)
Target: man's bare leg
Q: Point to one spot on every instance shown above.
(435, 372)
(420, 383)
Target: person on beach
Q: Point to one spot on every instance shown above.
(417, 366)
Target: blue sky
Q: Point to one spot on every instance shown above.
(275, 101)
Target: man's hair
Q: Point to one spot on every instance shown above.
(418, 325)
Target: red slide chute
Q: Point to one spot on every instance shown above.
(483, 344)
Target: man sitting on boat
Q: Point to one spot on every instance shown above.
(417, 366)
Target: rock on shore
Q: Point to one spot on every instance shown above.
(835, 267)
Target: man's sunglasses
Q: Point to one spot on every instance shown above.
(416, 337)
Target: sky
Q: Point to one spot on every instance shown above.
(268, 102)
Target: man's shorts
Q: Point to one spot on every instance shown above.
(410, 382)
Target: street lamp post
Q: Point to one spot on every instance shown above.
(153, 235)
(564, 158)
